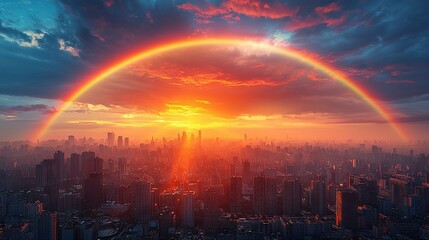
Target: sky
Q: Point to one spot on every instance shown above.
(49, 48)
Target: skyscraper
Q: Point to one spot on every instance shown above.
(46, 173)
(318, 198)
(142, 203)
(236, 194)
(270, 196)
(188, 209)
(120, 142)
(90, 163)
(59, 162)
(93, 187)
(211, 208)
(292, 197)
(346, 208)
(246, 172)
(75, 165)
(111, 139)
(127, 142)
(46, 226)
(259, 195)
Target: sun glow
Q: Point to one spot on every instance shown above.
(190, 116)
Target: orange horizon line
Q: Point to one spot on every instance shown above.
(293, 54)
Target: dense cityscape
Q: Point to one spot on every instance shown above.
(192, 187)
(214, 119)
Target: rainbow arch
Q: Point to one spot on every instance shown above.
(92, 80)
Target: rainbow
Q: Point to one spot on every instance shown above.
(93, 80)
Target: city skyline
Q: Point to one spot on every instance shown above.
(328, 70)
(214, 119)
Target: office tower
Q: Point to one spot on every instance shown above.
(167, 221)
(423, 192)
(236, 194)
(86, 157)
(367, 190)
(142, 202)
(75, 165)
(120, 142)
(259, 195)
(245, 137)
(318, 198)
(123, 194)
(94, 194)
(46, 173)
(90, 163)
(46, 226)
(59, 161)
(110, 139)
(246, 172)
(346, 208)
(188, 209)
(270, 196)
(211, 208)
(399, 186)
(127, 142)
(291, 198)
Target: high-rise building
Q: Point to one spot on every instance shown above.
(188, 209)
(120, 142)
(399, 186)
(93, 187)
(111, 139)
(59, 162)
(127, 142)
(292, 197)
(259, 195)
(318, 198)
(246, 172)
(142, 203)
(86, 158)
(46, 173)
(75, 164)
(90, 163)
(236, 194)
(270, 196)
(211, 208)
(346, 208)
(46, 226)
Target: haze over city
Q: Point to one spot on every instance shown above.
(214, 119)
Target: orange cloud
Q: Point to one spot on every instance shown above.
(230, 9)
(332, 7)
(321, 17)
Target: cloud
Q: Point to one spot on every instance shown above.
(230, 9)
(73, 51)
(320, 16)
(332, 7)
(28, 108)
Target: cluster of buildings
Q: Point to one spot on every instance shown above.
(190, 188)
